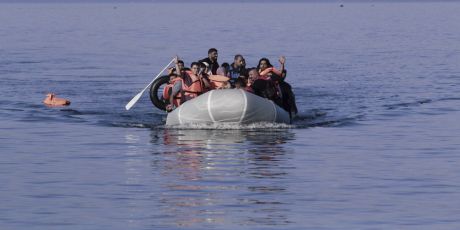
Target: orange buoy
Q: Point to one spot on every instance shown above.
(52, 100)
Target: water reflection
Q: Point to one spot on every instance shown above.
(223, 176)
(134, 183)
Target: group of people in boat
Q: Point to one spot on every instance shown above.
(204, 75)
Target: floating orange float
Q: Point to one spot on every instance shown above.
(52, 100)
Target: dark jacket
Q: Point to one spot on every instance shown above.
(266, 89)
(213, 66)
(236, 72)
(289, 103)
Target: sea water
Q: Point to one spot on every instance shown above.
(375, 145)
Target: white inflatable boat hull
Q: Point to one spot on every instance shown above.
(227, 106)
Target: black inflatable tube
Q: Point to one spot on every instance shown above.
(158, 102)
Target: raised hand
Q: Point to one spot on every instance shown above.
(282, 60)
(176, 59)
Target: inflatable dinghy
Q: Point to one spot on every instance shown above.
(227, 106)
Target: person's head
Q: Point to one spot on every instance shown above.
(172, 70)
(221, 71)
(225, 65)
(180, 63)
(253, 76)
(212, 54)
(238, 60)
(172, 76)
(263, 64)
(195, 67)
(205, 67)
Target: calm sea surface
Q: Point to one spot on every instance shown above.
(376, 145)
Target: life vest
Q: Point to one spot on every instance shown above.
(167, 91)
(187, 91)
(270, 69)
(52, 100)
(194, 89)
(218, 81)
(264, 75)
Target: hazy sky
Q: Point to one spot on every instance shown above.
(128, 1)
(154, 1)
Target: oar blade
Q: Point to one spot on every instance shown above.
(133, 101)
(136, 98)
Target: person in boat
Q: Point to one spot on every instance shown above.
(205, 68)
(186, 85)
(211, 60)
(237, 68)
(263, 87)
(268, 72)
(216, 81)
(244, 70)
(242, 83)
(203, 73)
(283, 89)
(253, 75)
(221, 82)
(266, 69)
(203, 76)
(225, 67)
(172, 71)
(288, 96)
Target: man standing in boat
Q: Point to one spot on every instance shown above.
(212, 60)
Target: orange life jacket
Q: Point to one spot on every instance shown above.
(187, 91)
(195, 88)
(270, 69)
(167, 91)
(218, 81)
